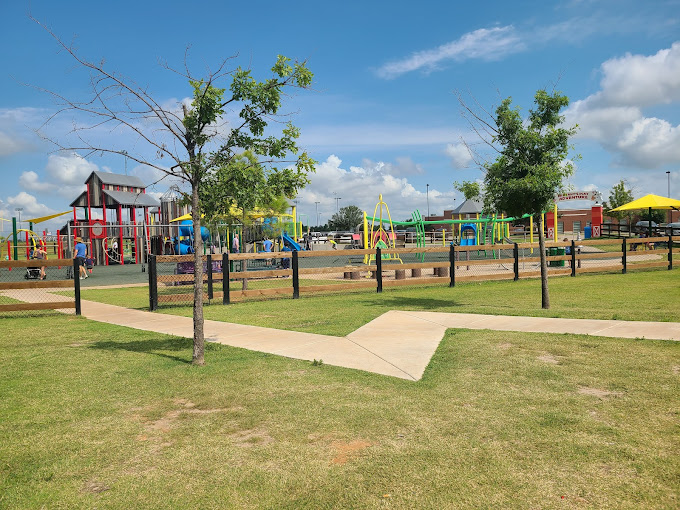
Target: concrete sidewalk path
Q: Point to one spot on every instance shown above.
(398, 343)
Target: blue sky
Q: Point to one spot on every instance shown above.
(383, 115)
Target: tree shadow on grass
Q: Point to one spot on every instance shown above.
(155, 346)
(412, 303)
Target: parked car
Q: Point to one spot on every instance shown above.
(673, 229)
(643, 226)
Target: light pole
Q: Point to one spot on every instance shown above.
(19, 209)
(337, 204)
(427, 193)
(317, 214)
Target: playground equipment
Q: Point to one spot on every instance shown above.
(184, 243)
(290, 242)
(380, 238)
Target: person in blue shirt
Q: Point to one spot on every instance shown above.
(80, 252)
(268, 245)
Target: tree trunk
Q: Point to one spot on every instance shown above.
(199, 338)
(545, 297)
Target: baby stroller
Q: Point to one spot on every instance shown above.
(32, 273)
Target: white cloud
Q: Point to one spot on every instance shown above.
(614, 116)
(70, 169)
(459, 154)
(361, 186)
(402, 167)
(30, 205)
(31, 181)
(484, 44)
(15, 129)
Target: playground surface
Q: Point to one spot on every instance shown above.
(398, 343)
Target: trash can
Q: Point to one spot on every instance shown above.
(588, 232)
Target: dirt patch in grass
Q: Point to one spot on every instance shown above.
(676, 369)
(167, 421)
(596, 392)
(95, 487)
(346, 451)
(505, 346)
(252, 437)
(548, 358)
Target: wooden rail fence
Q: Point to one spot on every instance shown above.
(220, 269)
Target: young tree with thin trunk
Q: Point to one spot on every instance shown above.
(189, 142)
(531, 163)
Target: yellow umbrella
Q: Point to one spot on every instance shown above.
(650, 202)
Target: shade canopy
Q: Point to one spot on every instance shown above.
(649, 202)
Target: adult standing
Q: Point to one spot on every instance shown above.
(268, 245)
(80, 253)
(235, 245)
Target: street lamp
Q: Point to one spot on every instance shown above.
(427, 192)
(337, 204)
(19, 209)
(317, 214)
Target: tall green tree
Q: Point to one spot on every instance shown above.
(619, 195)
(471, 190)
(191, 141)
(347, 218)
(532, 164)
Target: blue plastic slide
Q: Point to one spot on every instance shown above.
(290, 242)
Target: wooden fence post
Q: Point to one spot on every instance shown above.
(452, 263)
(296, 276)
(153, 284)
(378, 268)
(623, 256)
(573, 258)
(515, 254)
(76, 283)
(226, 298)
(210, 276)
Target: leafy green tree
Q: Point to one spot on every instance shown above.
(347, 218)
(192, 142)
(619, 195)
(657, 215)
(531, 165)
(470, 189)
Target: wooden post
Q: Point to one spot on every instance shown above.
(296, 276)
(76, 283)
(515, 253)
(573, 258)
(153, 284)
(210, 276)
(623, 256)
(226, 298)
(452, 265)
(378, 272)
(670, 251)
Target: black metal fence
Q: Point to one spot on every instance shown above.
(235, 277)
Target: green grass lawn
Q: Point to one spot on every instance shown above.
(101, 416)
(644, 295)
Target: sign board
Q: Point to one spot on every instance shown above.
(551, 232)
(596, 231)
(593, 196)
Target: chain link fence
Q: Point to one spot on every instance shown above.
(235, 277)
(38, 287)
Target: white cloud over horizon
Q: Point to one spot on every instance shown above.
(361, 186)
(614, 116)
